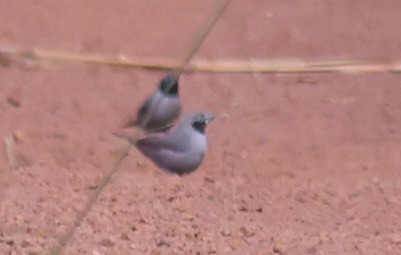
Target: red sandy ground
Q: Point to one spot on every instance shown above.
(298, 163)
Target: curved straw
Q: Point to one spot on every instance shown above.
(200, 36)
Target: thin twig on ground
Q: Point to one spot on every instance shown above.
(65, 239)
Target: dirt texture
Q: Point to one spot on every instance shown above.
(297, 163)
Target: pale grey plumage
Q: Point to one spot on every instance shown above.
(182, 149)
(160, 109)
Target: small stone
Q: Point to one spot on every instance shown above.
(106, 242)
(25, 244)
(242, 208)
(163, 242)
(93, 186)
(209, 179)
(124, 236)
(9, 242)
(246, 233)
(18, 136)
(14, 101)
(226, 232)
(277, 250)
(196, 234)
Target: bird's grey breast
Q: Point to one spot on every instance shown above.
(188, 139)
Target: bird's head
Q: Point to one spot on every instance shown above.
(200, 120)
(169, 85)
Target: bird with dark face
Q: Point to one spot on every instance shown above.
(160, 109)
(180, 150)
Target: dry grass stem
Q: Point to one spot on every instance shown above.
(10, 150)
(35, 57)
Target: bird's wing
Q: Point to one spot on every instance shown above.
(140, 116)
(161, 142)
(145, 108)
(167, 154)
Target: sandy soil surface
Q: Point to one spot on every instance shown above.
(297, 164)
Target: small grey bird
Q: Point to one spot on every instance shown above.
(180, 150)
(160, 109)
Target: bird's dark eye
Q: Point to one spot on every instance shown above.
(199, 126)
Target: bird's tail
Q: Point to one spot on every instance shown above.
(131, 136)
(130, 123)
